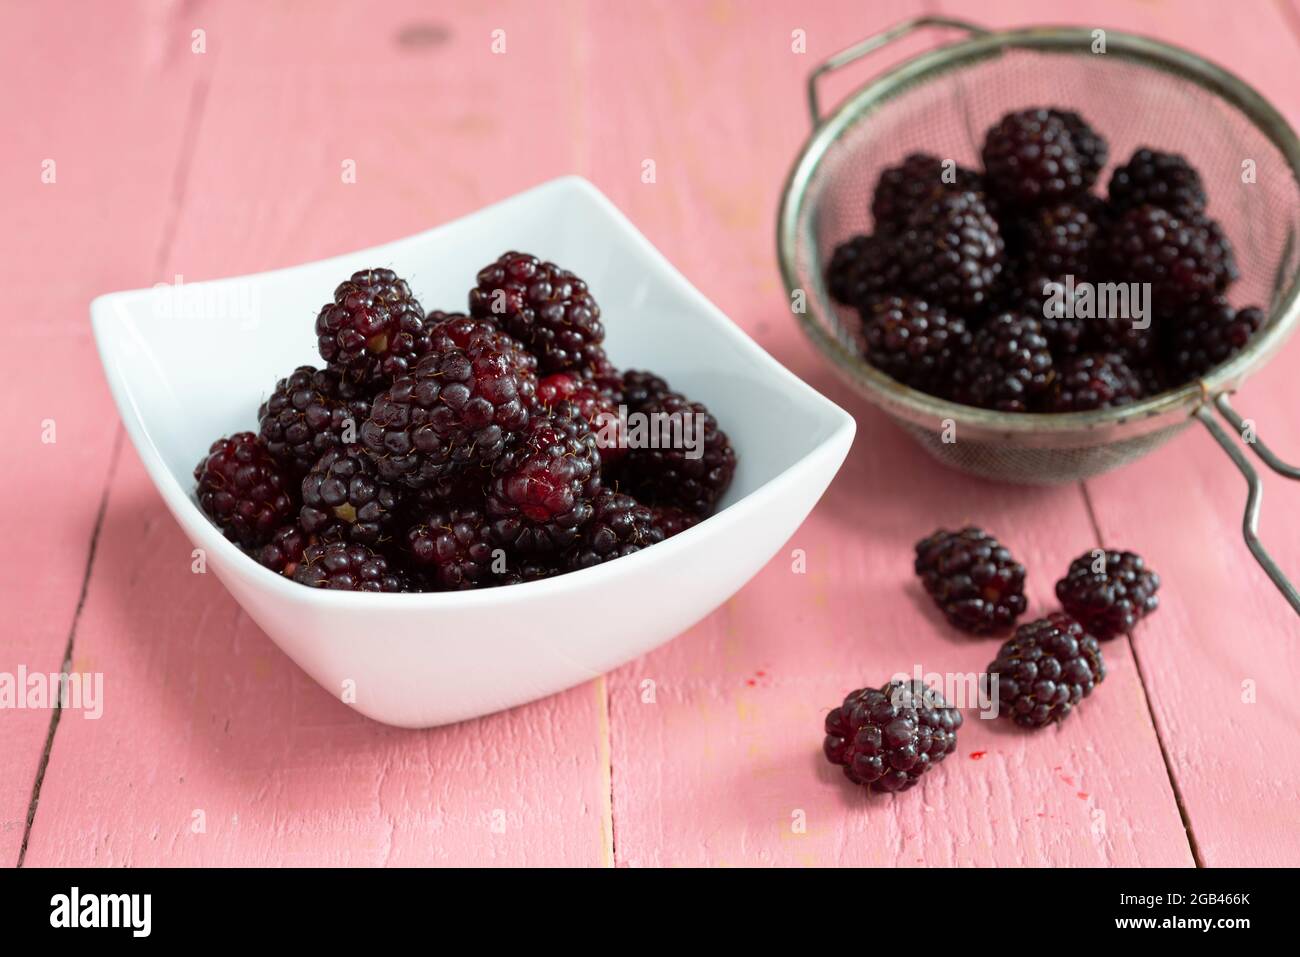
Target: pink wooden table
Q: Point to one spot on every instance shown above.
(214, 749)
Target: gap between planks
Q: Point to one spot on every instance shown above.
(185, 159)
(66, 666)
(605, 759)
(1146, 696)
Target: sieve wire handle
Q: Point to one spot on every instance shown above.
(875, 42)
(1255, 493)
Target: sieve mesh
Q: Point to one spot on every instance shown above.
(1135, 95)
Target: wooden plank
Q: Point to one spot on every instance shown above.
(716, 738)
(203, 714)
(1219, 659)
(97, 224)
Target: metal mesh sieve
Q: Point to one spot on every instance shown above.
(1139, 92)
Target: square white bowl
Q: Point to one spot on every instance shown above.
(190, 363)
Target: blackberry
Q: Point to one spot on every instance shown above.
(912, 342)
(347, 566)
(1184, 260)
(1108, 592)
(1120, 334)
(282, 553)
(1156, 377)
(596, 407)
(452, 547)
(885, 740)
(1048, 667)
(1159, 179)
(660, 470)
(973, 579)
(374, 328)
(642, 388)
(1057, 239)
(547, 308)
(344, 497)
(457, 331)
(1010, 365)
(620, 525)
(1056, 310)
(1094, 380)
(530, 568)
(864, 267)
(672, 520)
(606, 379)
(952, 253)
(544, 483)
(460, 485)
(902, 189)
(309, 413)
(1091, 146)
(455, 408)
(244, 490)
(1032, 158)
(1209, 334)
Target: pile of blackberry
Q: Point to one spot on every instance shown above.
(445, 451)
(886, 739)
(968, 287)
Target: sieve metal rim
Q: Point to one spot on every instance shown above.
(1073, 430)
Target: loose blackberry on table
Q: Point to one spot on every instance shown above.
(886, 739)
(972, 578)
(1109, 591)
(1045, 669)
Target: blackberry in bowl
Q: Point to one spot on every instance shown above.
(350, 602)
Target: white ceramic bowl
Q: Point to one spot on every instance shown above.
(189, 364)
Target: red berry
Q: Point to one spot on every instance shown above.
(374, 328)
(547, 308)
(544, 483)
